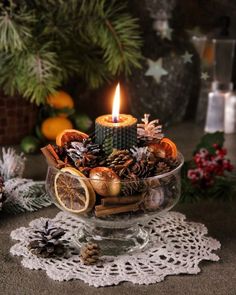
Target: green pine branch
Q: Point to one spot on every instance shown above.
(40, 75)
(44, 43)
(15, 28)
(116, 34)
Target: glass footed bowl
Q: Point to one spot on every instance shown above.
(120, 232)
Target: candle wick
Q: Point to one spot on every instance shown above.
(115, 120)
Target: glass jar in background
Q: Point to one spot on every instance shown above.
(230, 114)
(216, 107)
(221, 87)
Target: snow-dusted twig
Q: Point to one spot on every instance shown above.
(20, 194)
(11, 164)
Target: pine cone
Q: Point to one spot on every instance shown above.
(133, 166)
(162, 167)
(149, 131)
(120, 161)
(143, 168)
(46, 243)
(85, 154)
(1, 191)
(132, 185)
(145, 162)
(89, 253)
(172, 163)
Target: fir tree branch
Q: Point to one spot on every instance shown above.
(15, 28)
(43, 43)
(109, 25)
(117, 34)
(41, 75)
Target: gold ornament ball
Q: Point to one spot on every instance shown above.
(105, 181)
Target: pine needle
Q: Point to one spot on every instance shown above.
(44, 43)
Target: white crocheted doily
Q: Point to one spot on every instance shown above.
(176, 247)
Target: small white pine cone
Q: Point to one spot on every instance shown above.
(149, 131)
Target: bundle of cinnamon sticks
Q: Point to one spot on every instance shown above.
(115, 205)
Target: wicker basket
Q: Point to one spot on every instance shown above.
(17, 118)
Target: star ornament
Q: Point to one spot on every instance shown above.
(187, 57)
(161, 26)
(156, 70)
(204, 76)
(167, 33)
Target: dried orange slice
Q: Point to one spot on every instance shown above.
(69, 135)
(169, 147)
(164, 149)
(74, 194)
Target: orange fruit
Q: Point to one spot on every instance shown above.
(164, 149)
(60, 100)
(51, 127)
(70, 135)
(73, 192)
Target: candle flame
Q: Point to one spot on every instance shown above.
(116, 105)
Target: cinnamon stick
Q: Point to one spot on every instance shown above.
(52, 157)
(101, 210)
(51, 150)
(49, 157)
(120, 200)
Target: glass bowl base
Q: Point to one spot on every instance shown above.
(113, 242)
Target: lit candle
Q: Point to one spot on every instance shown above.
(116, 105)
(119, 130)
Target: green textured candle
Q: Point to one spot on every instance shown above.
(123, 133)
(116, 131)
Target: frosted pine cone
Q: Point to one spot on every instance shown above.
(85, 154)
(145, 163)
(46, 243)
(140, 153)
(149, 131)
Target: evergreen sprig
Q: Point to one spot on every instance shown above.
(113, 34)
(43, 43)
(15, 27)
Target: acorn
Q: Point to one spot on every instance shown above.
(105, 181)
